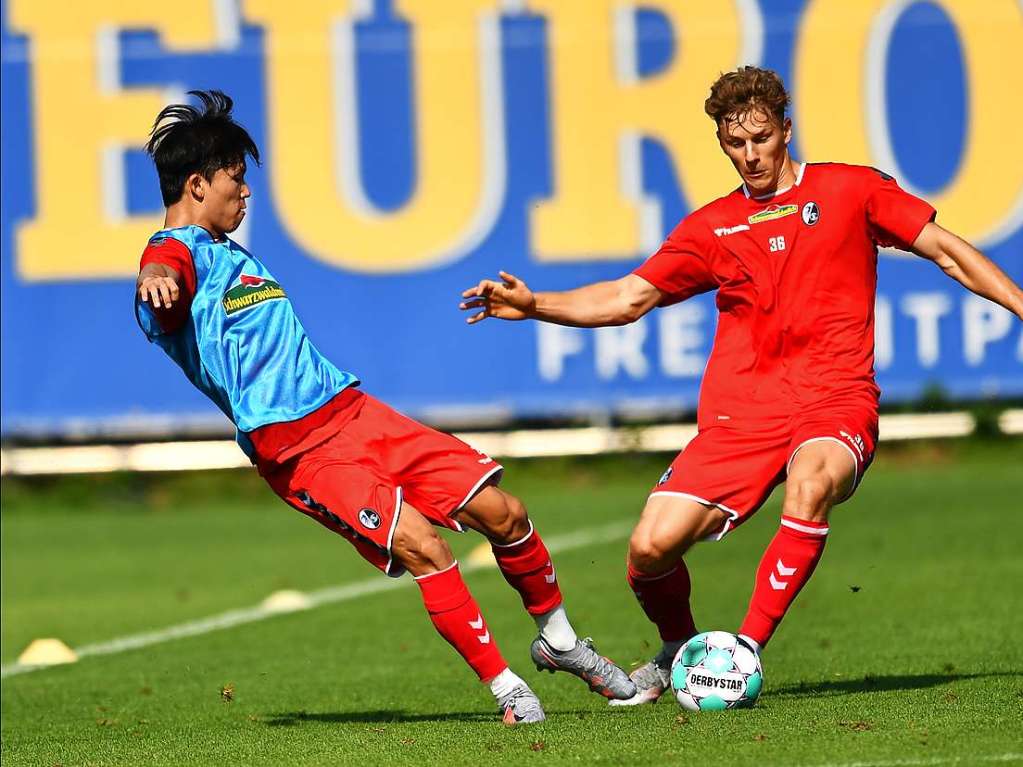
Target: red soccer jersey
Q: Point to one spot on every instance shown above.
(796, 275)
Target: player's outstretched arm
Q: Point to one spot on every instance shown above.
(157, 285)
(968, 266)
(616, 302)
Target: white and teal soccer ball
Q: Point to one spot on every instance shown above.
(714, 671)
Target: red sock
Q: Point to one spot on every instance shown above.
(526, 565)
(457, 618)
(665, 600)
(787, 565)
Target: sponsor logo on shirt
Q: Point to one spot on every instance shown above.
(811, 213)
(665, 477)
(726, 230)
(249, 292)
(772, 213)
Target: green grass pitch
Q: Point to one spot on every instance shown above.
(904, 649)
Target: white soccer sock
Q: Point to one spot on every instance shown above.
(504, 683)
(751, 642)
(555, 629)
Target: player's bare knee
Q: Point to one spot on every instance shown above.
(809, 498)
(421, 551)
(500, 516)
(646, 554)
(513, 523)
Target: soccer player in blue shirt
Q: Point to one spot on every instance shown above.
(377, 478)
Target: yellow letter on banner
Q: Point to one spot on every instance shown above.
(81, 121)
(840, 111)
(314, 137)
(600, 108)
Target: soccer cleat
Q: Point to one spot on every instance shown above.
(521, 706)
(598, 672)
(651, 680)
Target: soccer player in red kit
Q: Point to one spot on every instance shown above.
(788, 395)
(380, 480)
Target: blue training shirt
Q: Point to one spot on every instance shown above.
(242, 344)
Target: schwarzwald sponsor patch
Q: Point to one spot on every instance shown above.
(250, 292)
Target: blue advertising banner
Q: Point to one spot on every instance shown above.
(413, 147)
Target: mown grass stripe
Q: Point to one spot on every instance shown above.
(330, 595)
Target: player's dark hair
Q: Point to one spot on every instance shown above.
(187, 139)
(735, 94)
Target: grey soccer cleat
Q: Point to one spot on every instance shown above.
(651, 680)
(521, 706)
(598, 672)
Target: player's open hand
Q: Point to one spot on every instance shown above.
(510, 299)
(158, 291)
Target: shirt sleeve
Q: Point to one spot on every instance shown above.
(174, 254)
(895, 216)
(680, 268)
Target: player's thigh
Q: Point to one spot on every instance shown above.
(438, 473)
(731, 469)
(668, 527)
(496, 514)
(822, 473)
(828, 456)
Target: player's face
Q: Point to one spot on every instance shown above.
(757, 144)
(225, 197)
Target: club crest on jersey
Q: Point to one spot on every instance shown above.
(772, 213)
(369, 519)
(251, 291)
(811, 213)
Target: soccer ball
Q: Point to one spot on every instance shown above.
(714, 671)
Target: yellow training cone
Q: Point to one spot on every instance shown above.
(482, 556)
(47, 652)
(286, 601)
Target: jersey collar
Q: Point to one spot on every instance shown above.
(777, 192)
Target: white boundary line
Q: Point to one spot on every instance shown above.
(567, 542)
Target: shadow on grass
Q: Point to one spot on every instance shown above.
(384, 716)
(875, 683)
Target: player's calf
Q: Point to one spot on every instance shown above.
(524, 561)
(526, 565)
(457, 617)
(810, 498)
(821, 472)
(787, 565)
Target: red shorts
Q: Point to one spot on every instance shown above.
(736, 468)
(355, 481)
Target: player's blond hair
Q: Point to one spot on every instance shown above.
(735, 94)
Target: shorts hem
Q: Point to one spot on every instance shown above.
(733, 515)
(472, 491)
(390, 536)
